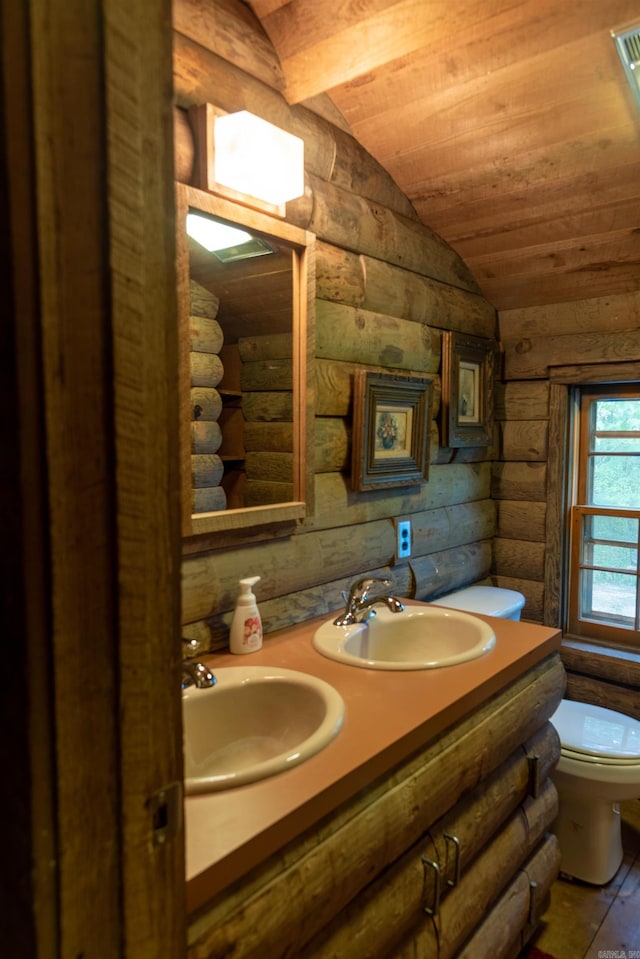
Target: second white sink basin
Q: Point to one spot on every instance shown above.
(421, 637)
(255, 722)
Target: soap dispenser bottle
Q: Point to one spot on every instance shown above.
(246, 625)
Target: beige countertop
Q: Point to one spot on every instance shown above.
(389, 715)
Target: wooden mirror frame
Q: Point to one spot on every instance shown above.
(272, 515)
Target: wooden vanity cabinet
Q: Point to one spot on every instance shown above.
(448, 855)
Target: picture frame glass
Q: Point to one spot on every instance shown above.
(393, 431)
(467, 390)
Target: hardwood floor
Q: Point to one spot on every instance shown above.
(593, 922)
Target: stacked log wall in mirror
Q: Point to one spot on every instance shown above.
(205, 342)
(245, 355)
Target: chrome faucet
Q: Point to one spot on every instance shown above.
(194, 673)
(360, 604)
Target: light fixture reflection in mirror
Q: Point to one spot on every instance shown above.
(244, 373)
(213, 234)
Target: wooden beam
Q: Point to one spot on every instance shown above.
(521, 520)
(69, 124)
(371, 284)
(522, 400)
(558, 471)
(532, 358)
(520, 558)
(597, 314)
(520, 481)
(356, 40)
(604, 279)
(524, 440)
(352, 40)
(231, 31)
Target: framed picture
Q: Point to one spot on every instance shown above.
(467, 390)
(391, 431)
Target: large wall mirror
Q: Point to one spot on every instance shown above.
(245, 302)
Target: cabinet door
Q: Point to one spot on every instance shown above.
(514, 916)
(482, 885)
(419, 899)
(463, 832)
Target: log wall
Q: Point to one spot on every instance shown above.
(545, 350)
(386, 287)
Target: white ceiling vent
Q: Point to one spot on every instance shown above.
(627, 43)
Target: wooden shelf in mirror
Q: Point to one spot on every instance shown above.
(246, 351)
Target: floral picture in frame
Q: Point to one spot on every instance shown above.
(467, 389)
(391, 418)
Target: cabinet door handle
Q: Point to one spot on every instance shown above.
(533, 889)
(455, 842)
(432, 910)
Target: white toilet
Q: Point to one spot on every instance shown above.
(599, 764)
(488, 600)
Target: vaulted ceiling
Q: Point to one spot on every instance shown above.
(508, 124)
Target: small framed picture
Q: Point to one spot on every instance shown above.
(391, 420)
(467, 389)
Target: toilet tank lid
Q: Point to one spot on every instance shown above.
(489, 600)
(597, 731)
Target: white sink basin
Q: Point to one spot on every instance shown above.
(421, 637)
(255, 722)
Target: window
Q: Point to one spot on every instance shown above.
(604, 594)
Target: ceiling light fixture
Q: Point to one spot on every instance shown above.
(244, 158)
(257, 158)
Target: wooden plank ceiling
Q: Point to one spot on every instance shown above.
(508, 123)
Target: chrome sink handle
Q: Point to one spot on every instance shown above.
(359, 604)
(194, 673)
(359, 591)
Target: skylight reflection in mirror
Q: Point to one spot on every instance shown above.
(228, 243)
